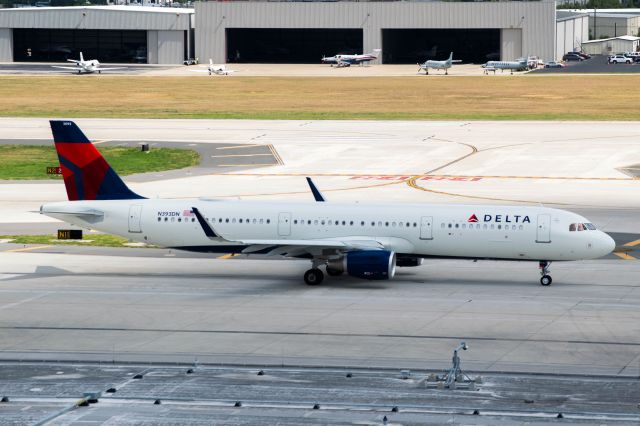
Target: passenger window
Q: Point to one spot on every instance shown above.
(233, 220)
(329, 223)
(322, 222)
(520, 227)
(415, 225)
(179, 219)
(227, 220)
(450, 225)
(386, 224)
(344, 223)
(393, 224)
(379, 223)
(373, 224)
(247, 220)
(173, 219)
(351, 223)
(315, 222)
(268, 220)
(499, 226)
(240, 220)
(362, 223)
(308, 222)
(254, 221)
(295, 221)
(442, 225)
(159, 219)
(193, 219)
(464, 226)
(402, 224)
(166, 219)
(261, 221)
(513, 227)
(492, 227)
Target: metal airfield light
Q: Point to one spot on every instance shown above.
(455, 371)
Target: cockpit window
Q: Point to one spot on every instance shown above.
(582, 227)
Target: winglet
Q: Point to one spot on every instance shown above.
(208, 231)
(316, 193)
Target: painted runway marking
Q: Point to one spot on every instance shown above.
(240, 146)
(30, 299)
(26, 249)
(228, 256)
(624, 256)
(240, 155)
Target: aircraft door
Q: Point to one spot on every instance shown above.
(284, 224)
(135, 212)
(426, 228)
(543, 234)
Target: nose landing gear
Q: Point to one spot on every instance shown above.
(544, 271)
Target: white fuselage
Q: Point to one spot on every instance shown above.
(501, 232)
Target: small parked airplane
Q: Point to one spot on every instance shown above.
(521, 64)
(360, 239)
(438, 65)
(348, 60)
(87, 67)
(216, 69)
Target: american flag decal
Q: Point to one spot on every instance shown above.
(188, 213)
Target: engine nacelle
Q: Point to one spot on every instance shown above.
(368, 264)
(409, 261)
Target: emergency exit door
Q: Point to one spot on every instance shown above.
(135, 212)
(543, 232)
(426, 228)
(284, 224)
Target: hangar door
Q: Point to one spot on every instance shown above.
(410, 46)
(59, 45)
(289, 45)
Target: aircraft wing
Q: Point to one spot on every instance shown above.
(111, 69)
(66, 68)
(283, 247)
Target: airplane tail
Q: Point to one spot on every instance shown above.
(376, 53)
(87, 175)
(81, 57)
(210, 61)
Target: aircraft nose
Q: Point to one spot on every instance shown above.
(606, 244)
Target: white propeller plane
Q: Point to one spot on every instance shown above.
(521, 64)
(362, 240)
(348, 60)
(216, 69)
(87, 67)
(438, 65)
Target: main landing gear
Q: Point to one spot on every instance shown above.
(544, 271)
(313, 276)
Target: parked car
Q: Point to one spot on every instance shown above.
(581, 54)
(619, 59)
(554, 64)
(572, 57)
(534, 62)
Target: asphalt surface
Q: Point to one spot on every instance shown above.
(200, 394)
(24, 68)
(596, 65)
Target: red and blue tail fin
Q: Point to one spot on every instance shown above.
(87, 175)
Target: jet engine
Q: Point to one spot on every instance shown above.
(409, 261)
(366, 264)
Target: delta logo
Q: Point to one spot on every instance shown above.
(500, 218)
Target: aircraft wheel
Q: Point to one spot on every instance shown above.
(334, 272)
(546, 280)
(313, 276)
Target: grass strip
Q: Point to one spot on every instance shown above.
(94, 240)
(19, 162)
(588, 97)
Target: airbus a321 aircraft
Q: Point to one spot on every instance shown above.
(348, 60)
(86, 67)
(438, 65)
(362, 240)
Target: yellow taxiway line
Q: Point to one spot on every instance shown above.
(27, 248)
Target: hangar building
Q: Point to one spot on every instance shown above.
(110, 33)
(407, 32)
(572, 29)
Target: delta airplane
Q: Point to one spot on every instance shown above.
(362, 240)
(521, 64)
(86, 67)
(348, 60)
(438, 65)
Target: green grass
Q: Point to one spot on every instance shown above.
(96, 240)
(31, 161)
